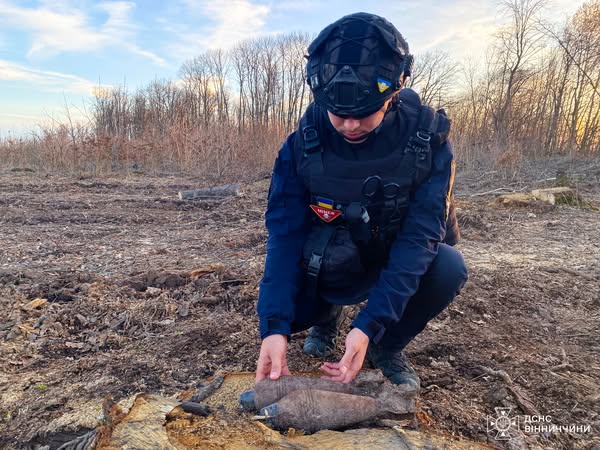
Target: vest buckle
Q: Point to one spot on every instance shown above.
(311, 138)
(423, 138)
(314, 265)
(419, 144)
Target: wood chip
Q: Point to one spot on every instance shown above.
(209, 389)
(183, 310)
(77, 345)
(196, 408)
(34, 304)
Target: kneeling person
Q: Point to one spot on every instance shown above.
(360, 207)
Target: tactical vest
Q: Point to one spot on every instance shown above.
(351, 234)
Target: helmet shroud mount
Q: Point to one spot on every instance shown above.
(356, 64)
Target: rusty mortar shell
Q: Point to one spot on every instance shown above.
(313, 410)
(267, 392)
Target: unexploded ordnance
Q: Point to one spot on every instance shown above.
(267, 392)
(313, 410)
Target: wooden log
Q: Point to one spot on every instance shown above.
(213, 192)
(517, 199)
(84, 442)
(142, 427)
(560, 195)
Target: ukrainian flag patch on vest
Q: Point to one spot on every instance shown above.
(325, 202)
(383, 85)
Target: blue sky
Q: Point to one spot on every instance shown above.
(56, 52)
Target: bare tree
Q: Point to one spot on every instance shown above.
(196, 74)
(517, 44)
(217, 61)
(433, 77)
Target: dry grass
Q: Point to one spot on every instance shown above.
(216, 152)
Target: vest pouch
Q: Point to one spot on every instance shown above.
(342, 278)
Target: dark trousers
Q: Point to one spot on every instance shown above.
(442, 282)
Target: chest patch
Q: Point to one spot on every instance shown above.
(326, 214)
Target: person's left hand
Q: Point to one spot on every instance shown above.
(352, 361)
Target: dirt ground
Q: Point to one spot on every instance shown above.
(142, 292)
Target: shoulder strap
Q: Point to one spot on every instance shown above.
(431, 131)
(420, 142)
(311, 142)
(436, 123)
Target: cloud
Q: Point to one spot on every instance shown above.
(236, 20)
(56, 27)
(462, 27)
(226, 23)
(46, 80)
(25, 117)
(298, 5)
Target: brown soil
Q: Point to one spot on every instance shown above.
(125, 313)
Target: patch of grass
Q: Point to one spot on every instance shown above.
(563, 179)
(40, 387)
(566, 199)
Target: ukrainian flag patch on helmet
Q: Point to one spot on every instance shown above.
(383, 85)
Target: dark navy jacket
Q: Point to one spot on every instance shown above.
(411, 254)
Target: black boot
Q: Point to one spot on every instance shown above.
(394, 364)
(322, 338)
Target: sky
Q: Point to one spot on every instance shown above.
(54, 54)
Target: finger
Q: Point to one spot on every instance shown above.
(262, 372)
(346, 366)
(345, 377)
(350, 375)
(275, 369)
(331, 371)
(350, 365)
(284, 366)
(347, 359)
(260, 376)
(262, 369)
(336, 373)
(343, 374)
(334, 366)
(331, 365)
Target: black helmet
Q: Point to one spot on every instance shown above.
(356, 64)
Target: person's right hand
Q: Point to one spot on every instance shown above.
(272, 361)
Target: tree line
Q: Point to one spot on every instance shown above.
(536, 94)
